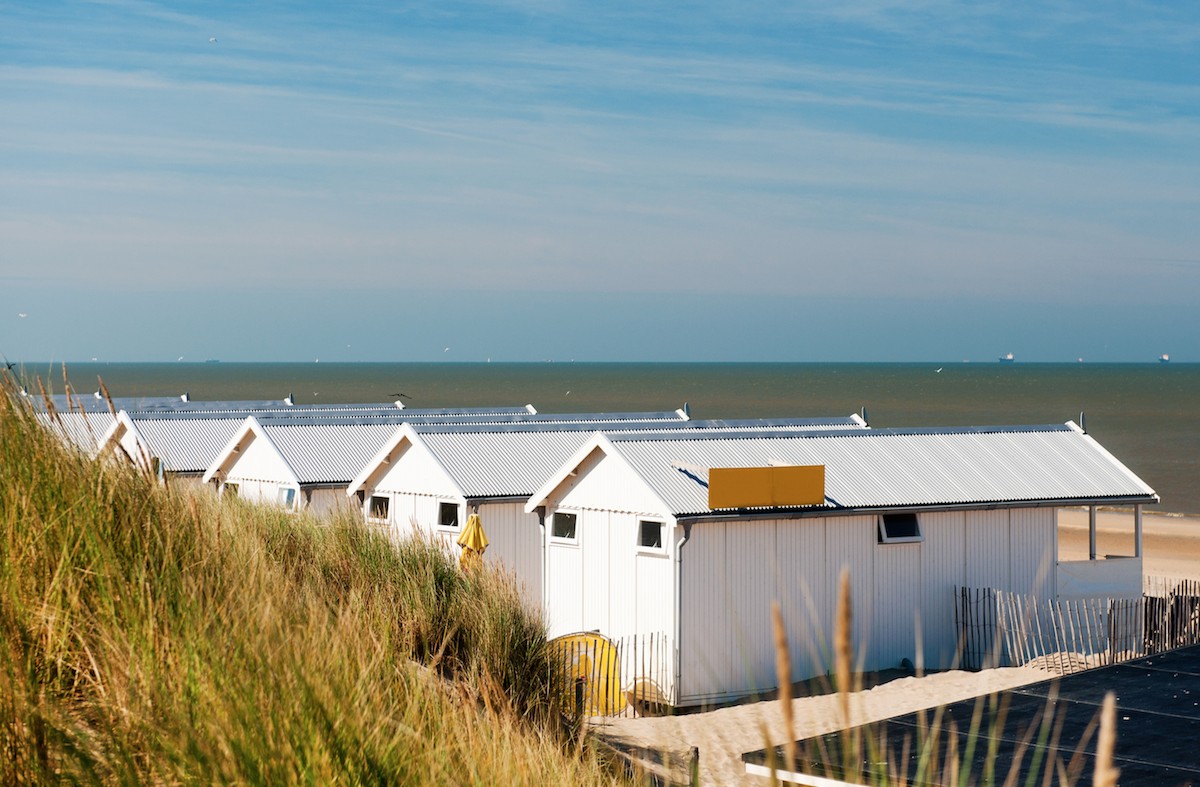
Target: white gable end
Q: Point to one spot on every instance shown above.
(259, 461)
(413, 470)
(132, 448)
(607, 482)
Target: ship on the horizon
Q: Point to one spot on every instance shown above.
(1007, 358)
(1164, 358)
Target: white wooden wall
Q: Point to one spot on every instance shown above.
(607, 582)
(732, 571)
(131, 449)
(410, 513)
(258, 461)
(326, 501)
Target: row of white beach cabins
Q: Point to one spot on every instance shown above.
(656, 523)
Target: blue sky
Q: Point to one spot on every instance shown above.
(605, 181)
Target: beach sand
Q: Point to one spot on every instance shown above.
(1172, 548)
(1171, 543)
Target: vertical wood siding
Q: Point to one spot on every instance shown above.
(733, 570)
(705, 656)
(514, 544)
(596, 548)
(1033, 551)
(806, 592)
(944, 564)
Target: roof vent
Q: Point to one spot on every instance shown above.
(1082, 422)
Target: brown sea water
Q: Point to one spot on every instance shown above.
(1145, 414)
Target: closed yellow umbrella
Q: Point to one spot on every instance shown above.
(473, 541)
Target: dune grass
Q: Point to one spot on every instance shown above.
(861, 754)
(152, 634)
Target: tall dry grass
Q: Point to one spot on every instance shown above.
(862, 753)
(148, 634)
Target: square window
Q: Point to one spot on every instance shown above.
(650, 534)
(447, 515)
(287, 497)
(380, 505)
(564, 525)
(231, 489)
(899, 529)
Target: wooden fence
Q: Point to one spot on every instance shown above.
(627, 676)
(998, 628)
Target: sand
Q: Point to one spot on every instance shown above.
(1171, 542)
(1172, 548)
(724, 735)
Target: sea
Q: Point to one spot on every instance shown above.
(1145, 414)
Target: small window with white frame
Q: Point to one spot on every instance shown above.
(563, 526)
(380, 507)
(287, 497)
(448, 515)
(650, 535)
(899, 529)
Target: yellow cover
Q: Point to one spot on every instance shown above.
(594, 670)
(766, 487)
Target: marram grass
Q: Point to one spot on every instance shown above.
(148, 634)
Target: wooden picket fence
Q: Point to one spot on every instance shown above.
(625, 676)
(998, 628)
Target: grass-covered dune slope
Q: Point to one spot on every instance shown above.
(150, 635)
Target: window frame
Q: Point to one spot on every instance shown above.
(662, 536)
(444, 505)
(387, 508)
(231, 488)
(571, 539)
(883, 537)
(291, 493)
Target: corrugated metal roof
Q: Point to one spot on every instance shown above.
(256, 407)
(91, 404)
(175, 405)
(897, 468)
(503, 464)
(186, 445)
(667, 425)
(79, 430)
(468, 421)
(489, 460)
(327, 453)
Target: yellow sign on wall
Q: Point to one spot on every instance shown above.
(755, 487)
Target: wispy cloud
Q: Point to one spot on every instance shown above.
(910, 148)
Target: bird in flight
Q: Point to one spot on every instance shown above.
(401, 396)
(22, 315)
(212, 40)
(9, 365)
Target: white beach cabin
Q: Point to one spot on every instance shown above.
(179, 439)
(693, 537)
(431, 477)
(81, 421)
(304, 461)
(169, 445)
(297, 465)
